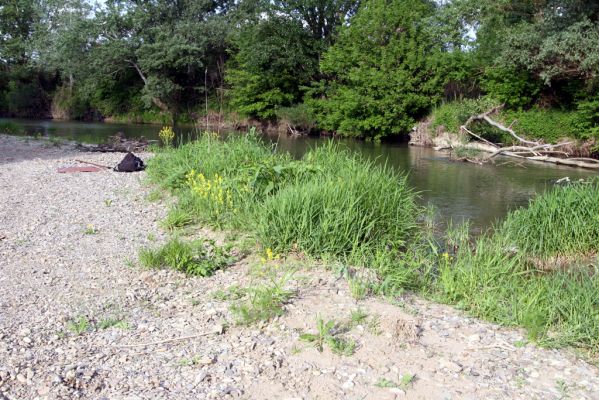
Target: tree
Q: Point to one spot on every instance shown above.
(170, 45)
(275, 58)
(383, 72)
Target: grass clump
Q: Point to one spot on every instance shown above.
(263, 301)
(537, 270)
(329, 333)
(200, 257)
(176, 218)
(350, 211)
(563, 223)
(79, 325)
(11, 128)
(112, 322)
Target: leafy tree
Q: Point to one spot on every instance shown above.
(275, 57)
(384, 71)
(170, 45)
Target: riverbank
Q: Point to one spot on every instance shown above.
(81, 317)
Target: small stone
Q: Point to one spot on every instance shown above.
(21, 378)
(474, 338)
(347, 385)
(200, 377)
(397, 391)
(43, 390)
(27, 339)
(206, 360)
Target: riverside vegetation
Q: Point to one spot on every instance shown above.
(369, 69)
(536, 269)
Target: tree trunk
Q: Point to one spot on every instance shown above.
(159, 103)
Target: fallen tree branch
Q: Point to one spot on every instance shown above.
(463, 127)
(527, 149)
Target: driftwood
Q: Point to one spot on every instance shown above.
(527, 149)
(118, 144)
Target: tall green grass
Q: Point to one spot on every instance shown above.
(563, 222)
(351, 209)
(498, 279)
(331, 202)
(537, 269)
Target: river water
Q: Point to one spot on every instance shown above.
(480, 194)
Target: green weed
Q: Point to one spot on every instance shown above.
(358, 288)
(407, 380)
(386, 383)
(112, 322)
(90, 230)
(328, 333)
(79, 325)
(262, 302)
(200, 257)
(358, 317)
(176, 218)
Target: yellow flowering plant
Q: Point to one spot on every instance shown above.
(217, 196)
(167, 135)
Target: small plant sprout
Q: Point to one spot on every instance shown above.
(386, 383)
(358, 317)
(79, 325)
(262, 302)
(167, 135)
(111, 322)
(90, 229)
(407, 380)
(327, 333)
(358, 288)
(374, 325)
(107, 202)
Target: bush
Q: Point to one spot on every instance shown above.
(549, 125)
(299, 117)
(454, 114)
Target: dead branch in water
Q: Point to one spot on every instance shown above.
(527, 149)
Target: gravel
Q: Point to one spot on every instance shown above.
(175, 341)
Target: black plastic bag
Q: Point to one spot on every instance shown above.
(130, 163)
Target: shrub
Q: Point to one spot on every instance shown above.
(549, 125)
(454, 114)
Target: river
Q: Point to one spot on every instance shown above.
(480, 194)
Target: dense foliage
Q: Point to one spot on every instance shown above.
(367, 68)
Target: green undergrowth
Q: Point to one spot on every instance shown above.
(199, 257)
(536, 269)
(327, 203)
(549, 125)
